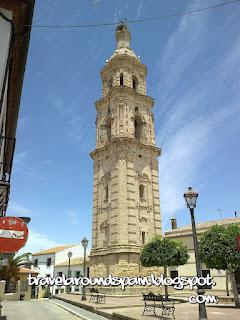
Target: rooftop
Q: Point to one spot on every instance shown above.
(27, 271)
(73, 262)
(201, 227)
(53, 250)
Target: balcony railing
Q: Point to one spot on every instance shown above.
(7, 147)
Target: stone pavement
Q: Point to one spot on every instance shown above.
(184, 311)
(128, 308)
(81, 313)
(111, 302)
(34, 310)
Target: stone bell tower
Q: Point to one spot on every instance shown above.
(126, 209)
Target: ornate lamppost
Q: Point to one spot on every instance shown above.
(69, 269)
(84, 244)
(191, 199)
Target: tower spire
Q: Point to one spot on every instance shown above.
(123, 35)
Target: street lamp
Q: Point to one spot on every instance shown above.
(191, 199)
(84, 244)
(69, 270)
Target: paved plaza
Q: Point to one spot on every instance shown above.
(34, 310)
(70, 307)
(132, 308)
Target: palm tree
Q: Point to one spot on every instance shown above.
(10, 272)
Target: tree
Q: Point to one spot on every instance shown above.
(162, 252)
(14, 262)
(218, 250)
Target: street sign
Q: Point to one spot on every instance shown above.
(238, 243)
(13, 234)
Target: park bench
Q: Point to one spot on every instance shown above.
(96, 296)
(153, 301)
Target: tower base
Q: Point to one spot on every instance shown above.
(119, 264)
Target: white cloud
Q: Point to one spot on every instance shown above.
(197, 115)
(182, 48)
(35, 170)
(16, 209)
(38, 241)
(19, 159)
(74, 123)
(73, 217)
(139, 9)
(184, 153)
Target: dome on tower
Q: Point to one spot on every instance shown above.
(123, 38)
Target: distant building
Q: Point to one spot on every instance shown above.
(26, 290)
(15, 28)
(24, 272)
(44, 261)
(76, 271)
(184, 234)
(54, 262)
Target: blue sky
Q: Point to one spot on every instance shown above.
(193, 75)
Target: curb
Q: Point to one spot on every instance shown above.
(76, 304)
(69, 310)
(85, 307)
(115, 316)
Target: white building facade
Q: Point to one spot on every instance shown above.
(184, 235)
(55, 262)
(74, 269)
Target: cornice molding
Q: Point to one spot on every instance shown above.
(124, 140)
(122, 59)
(124, 90)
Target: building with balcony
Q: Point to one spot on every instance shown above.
(15, 29)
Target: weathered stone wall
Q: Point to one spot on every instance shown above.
(118, 113)
(130, 70)
(9, 296)
(121, 265)
(120, 217)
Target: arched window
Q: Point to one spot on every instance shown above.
(141, 192)
(138, 127)
(134, 83)
(121, 79)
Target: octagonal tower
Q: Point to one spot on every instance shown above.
(126, 206)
